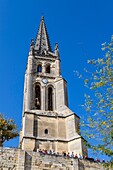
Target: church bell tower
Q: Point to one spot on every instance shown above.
(47, 122)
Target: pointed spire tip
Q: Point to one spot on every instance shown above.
(42, 39)
(42, 18)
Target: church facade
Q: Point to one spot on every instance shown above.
(47, 122)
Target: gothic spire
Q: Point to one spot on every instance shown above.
(42, 39)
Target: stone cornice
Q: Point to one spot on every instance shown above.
(50, 114)
(52, 139)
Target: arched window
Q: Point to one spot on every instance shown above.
(48, 69)
(50, 99)
(46, 131)
(37, 97)
(39, 68)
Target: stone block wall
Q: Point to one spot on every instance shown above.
(17, 159)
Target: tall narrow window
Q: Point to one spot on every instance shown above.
(50, 99)
(48, 69)
(37, 97)
(35, 127)
(39, 68)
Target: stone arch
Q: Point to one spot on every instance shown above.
(38, 96)
(39, 68)
(48, 68)
(50, 98)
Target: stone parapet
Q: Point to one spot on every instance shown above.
(17, 159)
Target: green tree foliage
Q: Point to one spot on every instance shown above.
(8, 129)
(98, 125)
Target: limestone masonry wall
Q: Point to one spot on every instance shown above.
(17, 159)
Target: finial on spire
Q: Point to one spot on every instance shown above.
(42, 18)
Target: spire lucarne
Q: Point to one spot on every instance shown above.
(42, 39)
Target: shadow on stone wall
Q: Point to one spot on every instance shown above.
(28, 161)
(81, 165)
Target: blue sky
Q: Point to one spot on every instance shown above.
(79, 26)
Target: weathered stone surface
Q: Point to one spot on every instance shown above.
(46, 107)
(17, 159)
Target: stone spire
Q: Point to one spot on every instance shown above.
(42, 39)
(45, 110)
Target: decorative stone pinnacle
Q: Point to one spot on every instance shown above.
(56, 49)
